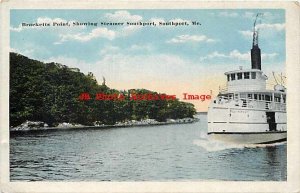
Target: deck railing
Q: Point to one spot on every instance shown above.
(252, 104)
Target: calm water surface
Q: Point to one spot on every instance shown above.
(156, 153)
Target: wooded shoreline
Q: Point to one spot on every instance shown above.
(138, 124)
(53, 93)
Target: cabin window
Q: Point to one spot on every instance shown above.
(243, 95)
(255, 96)
(283, 97)
(236, 96)
(249, 96)
(246, 75)
(239, 76)
(228, 78)
(268, 98)
(259, 97)
(232, 76)
(263, 97)
(277, 98)
(253, 75)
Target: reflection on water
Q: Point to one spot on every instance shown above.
(158, 153)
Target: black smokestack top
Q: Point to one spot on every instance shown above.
(255, 57)
(255, 51)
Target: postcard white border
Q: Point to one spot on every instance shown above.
(293, 105)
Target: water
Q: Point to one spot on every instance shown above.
(158, 153)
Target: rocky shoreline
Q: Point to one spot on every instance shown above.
(40, 126)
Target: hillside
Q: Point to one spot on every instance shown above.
(50, 92)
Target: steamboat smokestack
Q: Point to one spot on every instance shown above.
(255, 57)
(255, 51)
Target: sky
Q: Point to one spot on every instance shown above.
(169, 59)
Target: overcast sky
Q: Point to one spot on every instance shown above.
(168, 59)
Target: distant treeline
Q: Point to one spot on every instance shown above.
(50, 92)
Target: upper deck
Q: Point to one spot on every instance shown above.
(246, 80)
(247, 89)
(259, 100)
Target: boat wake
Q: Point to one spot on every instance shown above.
(214, 145)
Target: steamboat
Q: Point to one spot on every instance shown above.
(245, 111)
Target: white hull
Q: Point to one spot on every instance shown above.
(249, 138)
(245, 126)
